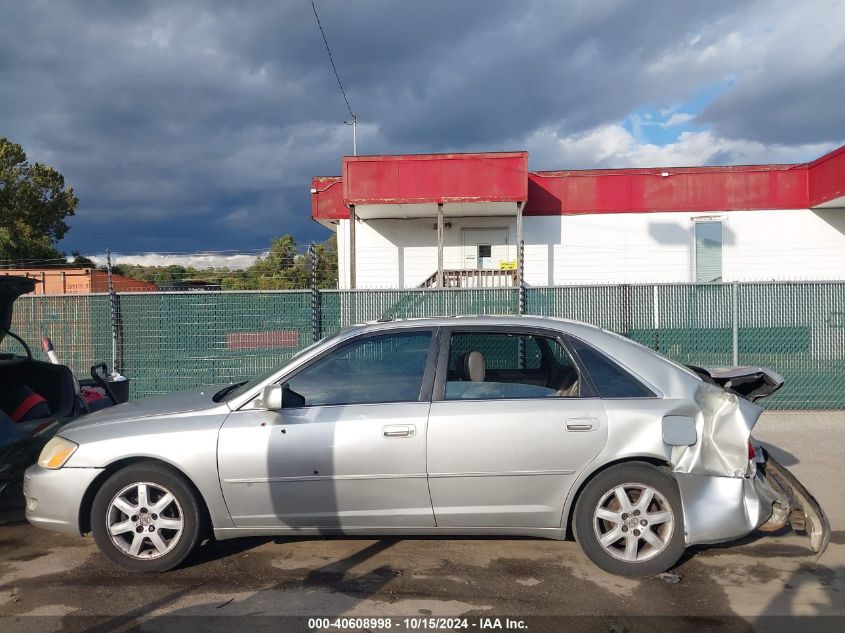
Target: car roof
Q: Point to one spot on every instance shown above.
(476, 320)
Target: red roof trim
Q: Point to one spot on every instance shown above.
(327, 199)
(648, 190)
(831, 155)
(637, 190)
(656, 171)
(450, 156)
(826, 180)
(435, 178)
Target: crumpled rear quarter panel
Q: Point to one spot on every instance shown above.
(719, 501)
(723, 422)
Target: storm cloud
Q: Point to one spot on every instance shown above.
(197, 126)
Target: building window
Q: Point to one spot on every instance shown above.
(708, 251)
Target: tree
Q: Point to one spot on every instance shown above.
(327, 263)
(283, 268)
(78, 260)
(34, 203)
(282, 256)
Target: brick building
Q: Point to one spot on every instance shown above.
(78, 281)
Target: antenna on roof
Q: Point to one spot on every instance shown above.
(354, 124)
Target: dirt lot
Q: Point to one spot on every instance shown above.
(52, 582)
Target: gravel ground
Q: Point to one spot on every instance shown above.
(53, 582)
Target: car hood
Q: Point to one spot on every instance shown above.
(11, 287)
(170, 405)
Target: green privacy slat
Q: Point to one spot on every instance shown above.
(174, 341)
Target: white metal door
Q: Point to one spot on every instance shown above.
(484, 248)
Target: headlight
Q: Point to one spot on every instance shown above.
(56, 452)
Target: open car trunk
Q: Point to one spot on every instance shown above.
(21, 441)
(54, 382)
(10, 289)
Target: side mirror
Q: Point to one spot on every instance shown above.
(272, 397)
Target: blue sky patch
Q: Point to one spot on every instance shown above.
(663, 125)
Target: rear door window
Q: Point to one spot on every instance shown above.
(491, 365)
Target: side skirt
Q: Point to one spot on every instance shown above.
(222, 534)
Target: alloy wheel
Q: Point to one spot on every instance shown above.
(144, 520)
(633, 522)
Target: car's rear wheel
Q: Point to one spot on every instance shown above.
(146, 518)
(629, 520)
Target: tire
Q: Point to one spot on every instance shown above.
(657, 544)
(146, 518)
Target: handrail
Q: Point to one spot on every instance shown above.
(473, 278)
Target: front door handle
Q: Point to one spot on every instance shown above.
(582, 424)
(399, 430)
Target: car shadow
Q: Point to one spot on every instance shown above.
(785, 458)
(213, 550)
(809, 598)
(335, 576)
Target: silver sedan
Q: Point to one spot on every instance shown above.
(467, 425)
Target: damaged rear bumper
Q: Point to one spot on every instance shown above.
(797, 505)
(719, 509)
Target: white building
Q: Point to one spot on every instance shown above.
(458, 220)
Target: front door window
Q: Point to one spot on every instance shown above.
(383, 368)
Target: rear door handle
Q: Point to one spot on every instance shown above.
(399, 430)
(582, 424)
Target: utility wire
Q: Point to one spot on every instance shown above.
(331, 59)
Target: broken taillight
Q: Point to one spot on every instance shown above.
(752, 454)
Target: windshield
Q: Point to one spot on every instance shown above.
(232, 391)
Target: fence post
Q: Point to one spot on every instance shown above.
(523, 298)
(116, 321)
(656, 302)
(520, 262)
(625, 306)
(734, 326)
(316, 305)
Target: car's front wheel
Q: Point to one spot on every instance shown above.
(629, 520)
(146, 518)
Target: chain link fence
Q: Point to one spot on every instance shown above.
(181, 340)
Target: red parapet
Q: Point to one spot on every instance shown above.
(827, 178)
(435, 178)
(327, 199)
(667, 189)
